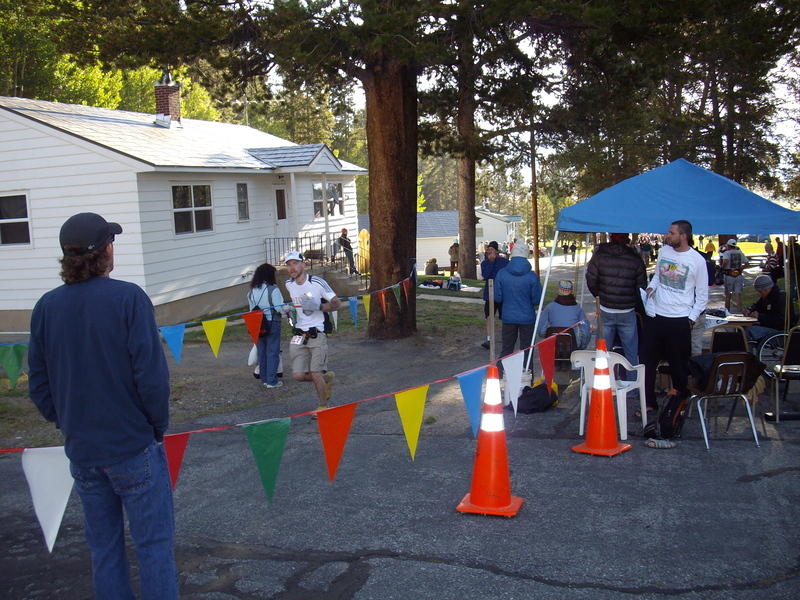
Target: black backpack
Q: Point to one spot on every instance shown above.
(536, 399)
(669, 421)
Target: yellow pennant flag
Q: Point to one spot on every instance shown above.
(410, 406)
(366, 298)
(214, 330)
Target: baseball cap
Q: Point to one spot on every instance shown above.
(86, 232)
(564, 287)
(731, 242)
(292, 255)
(762, 282)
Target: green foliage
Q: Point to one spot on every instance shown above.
(90, 85)
(420, 195)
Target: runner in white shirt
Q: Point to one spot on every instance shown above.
(679, 293)
(308, 348)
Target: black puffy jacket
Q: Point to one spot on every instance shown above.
(615, 273)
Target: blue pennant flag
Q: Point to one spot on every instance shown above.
(173, 335)
(471, 384)
(354, 309)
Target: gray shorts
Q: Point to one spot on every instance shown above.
(734, 285)
(310, 357)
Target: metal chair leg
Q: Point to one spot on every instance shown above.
(703, 422)
(752, 421)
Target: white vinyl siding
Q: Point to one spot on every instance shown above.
(61, 176)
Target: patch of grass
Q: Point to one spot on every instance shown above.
(430, 420)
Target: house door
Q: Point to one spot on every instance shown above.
(281, 213)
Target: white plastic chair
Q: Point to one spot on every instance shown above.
(584, 360)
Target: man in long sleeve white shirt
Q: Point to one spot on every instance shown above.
(678, 293)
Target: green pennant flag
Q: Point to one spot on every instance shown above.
(11, 361)
(266, 441)
(396, 290)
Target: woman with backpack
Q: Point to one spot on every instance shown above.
(265, 295)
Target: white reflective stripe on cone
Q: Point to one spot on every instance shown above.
(492, 395)
(601, 362)
(492, 422)
(602, 382)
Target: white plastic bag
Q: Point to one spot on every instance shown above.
(253, 358)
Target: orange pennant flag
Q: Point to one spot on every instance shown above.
(547, 358)
(253, 321)
(334, 427)
(382, 301)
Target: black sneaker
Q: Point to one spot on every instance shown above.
(485, 344)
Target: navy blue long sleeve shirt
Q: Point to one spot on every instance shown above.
(97, 369)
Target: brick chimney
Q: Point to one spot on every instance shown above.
(168, 100)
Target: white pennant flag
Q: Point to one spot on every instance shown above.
(335, 317)
(50, 482)
(512, 374)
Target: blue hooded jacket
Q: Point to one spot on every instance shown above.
(518, 288)
(489, 270)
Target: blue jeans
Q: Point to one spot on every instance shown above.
(624, 325)
(141, 486)
(269, 353)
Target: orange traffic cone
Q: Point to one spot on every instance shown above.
(490, 493)
(601, 430)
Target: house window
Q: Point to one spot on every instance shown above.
(479, 232)
(242, 201)
(280, 204)
(14, 220)
(335, 199)
(191, 206)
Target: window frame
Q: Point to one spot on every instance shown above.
(336, 199)
(193, 209)
(26, 219)
(246, 217)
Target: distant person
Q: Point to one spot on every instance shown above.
(645, 249)
(265, 296)
(615, 275)
(308, 348)
(490, 267)
(733, 264)
(565, 250)
(573, 248)
(678, 292)
(564, 311)
(710, 248)
(97, 370)
(519, 290)
(453, 252)
(768, 249)
(431, 267)
(347, 248)
(769, 309)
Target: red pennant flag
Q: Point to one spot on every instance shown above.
(334, 427)
(406, 288)
(547, 358)
(253, 321)
(382, 301)
(175, 446)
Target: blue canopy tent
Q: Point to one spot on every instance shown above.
(679, 190)
(649, 202)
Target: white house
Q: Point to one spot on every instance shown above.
(438, 229)
(200, 203)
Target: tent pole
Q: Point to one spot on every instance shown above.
(541, 300)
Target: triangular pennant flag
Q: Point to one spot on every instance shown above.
(406, 288)
(335, 318)
(266, 441)
(382, 302)
(354, 309)
(253, 321)
(410, 407)
(334, 427)
(547, 358)
(214, 329)
(512, 373)
(175, 446)
(11, 361)
(173, 335)
(471, 384)
(50, 483)
(365, 299)
(396, 291)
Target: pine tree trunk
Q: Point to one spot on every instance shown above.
(391, 101)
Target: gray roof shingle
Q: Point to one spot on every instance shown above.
(196, 144)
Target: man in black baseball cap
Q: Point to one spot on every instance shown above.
(97, 370)
(86, 232)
